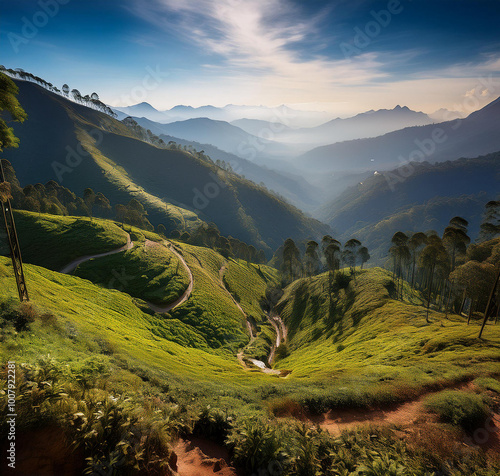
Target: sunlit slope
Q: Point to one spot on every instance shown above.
(372, 339)
(96, 318)
(53, 241)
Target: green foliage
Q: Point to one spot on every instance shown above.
(148, 271)
(54, 241)
(256, 446)
(9, 103)
(213, 424)
(488, 384)
(465, 409)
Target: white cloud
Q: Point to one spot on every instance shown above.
(259, 38)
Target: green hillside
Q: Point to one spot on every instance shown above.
(54, 241)
(78, 147)
(371, 347)
(149, 271)
(375, 209)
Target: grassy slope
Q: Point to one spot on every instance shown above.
(147, 271)
(54, 241)
(375, 344)
(210, 309)
(92, 317)
(247, 282)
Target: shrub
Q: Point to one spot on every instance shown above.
(281, 407)
(341, 280)
(465, 409)
(488, 384)
(213, 424)
(20, 315)
(257, 447)
(282, 351)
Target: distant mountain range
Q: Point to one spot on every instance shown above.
(80, 147)
(231, 112)
(477, 134)
(220, 134)
(367, 124)
(275, 136)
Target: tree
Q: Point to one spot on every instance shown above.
(332, 257)
(102, 204)
(401, 257)
(76, 95)
(89, 198)
(416, 244)
(490, 226)
(350, 253)
(476, 279)
(455, 239)
(432, 258)
(291, 259)
(9, 103)
(364, 255)
(311, 258)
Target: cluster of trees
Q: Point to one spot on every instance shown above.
(329, 256)
(208, 235)
(449, 269)
(91, 100)
(58, 200)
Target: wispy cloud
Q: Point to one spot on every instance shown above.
(264, 38)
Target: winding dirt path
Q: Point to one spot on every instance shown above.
(72, 266)
(185, 295)
(128, 246)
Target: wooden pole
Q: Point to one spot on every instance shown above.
(15, 250)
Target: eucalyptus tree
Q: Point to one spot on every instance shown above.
(332, 257)
(291, 259)
(433, 258)
(311, 258)
(400, 253)
(416, 244)
(350, 254)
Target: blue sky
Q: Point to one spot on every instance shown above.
(340, 56)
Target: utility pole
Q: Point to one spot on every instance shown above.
(15, 250)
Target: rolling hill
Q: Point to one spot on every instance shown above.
(80, 147)
(427, 199)
(223, 135)
(292, 187)
(475, 135)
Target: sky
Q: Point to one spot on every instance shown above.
(340, 56)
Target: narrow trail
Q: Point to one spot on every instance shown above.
(72, 266)
(128, 246)
(185, 295)
(404, 415)
(199, 457)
